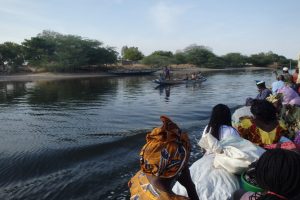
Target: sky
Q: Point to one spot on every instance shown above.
(226, 26)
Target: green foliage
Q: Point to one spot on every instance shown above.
(157, 60)
(180, 58)
(200, 56)
(131, 53)
(163, 53)
(11, 56)
(235, 59)
(58, 52)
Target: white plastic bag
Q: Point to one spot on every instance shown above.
(237, 154)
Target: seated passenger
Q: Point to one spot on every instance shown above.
(242, 112)
(212, 182)
(264, 128)
(277, 172)
(290, 96)
(278, 84)
(263, 92)
(163, 161)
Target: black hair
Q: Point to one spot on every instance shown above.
(220, 115)
(277, 171)
(263, 110)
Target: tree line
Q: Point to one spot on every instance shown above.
(54, 51)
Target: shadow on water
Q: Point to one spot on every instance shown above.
(68, 90)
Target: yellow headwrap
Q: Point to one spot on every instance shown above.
(274, 98)
(166, 152)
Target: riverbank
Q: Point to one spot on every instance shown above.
(176, 70)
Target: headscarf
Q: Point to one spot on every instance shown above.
(289, 96)
(166, 152)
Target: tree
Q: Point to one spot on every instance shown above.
(131, 53)
(58, 52)
(199, 55)
(235, 59)
(157, 60)
(163, 53)
(11, 56)
(180, 58)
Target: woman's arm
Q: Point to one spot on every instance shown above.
(186, 180)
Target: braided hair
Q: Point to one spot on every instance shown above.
(278, 171)
(220, 115)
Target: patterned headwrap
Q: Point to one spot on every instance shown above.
(166, 152)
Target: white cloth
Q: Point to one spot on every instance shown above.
(227, 155)
(241, 112)
(227, 131)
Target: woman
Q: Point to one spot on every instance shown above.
(220, 123)
(211, 182)
(277, 172)
(263, 128)
(163, 161)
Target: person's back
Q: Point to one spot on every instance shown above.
(264, 128)
(288, 78)
(163, 161)
(278, 84)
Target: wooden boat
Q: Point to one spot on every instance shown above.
(132, 72)
(178, 81)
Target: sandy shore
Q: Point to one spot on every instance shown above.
(48, 76)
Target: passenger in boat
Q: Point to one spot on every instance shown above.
(186, 77)
(288, 78)
(211, 182)
(289, 96)
(198, 75)
(278, 84)
(220, 122)
(264, 92)
(242, 112)
(277, 172)
(264, 128)
(163, 160)
(193, 76)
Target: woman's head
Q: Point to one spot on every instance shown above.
(263, 111)
(166, 152)
(277, 172)
(220, 115)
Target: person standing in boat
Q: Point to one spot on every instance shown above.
(167, 73)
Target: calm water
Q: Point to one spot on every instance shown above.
(79, 139)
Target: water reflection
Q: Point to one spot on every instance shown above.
(9, 91)
(165, 90)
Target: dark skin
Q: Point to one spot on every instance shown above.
(166, 184)
(268, 127)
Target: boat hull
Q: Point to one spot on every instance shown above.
(180, 81)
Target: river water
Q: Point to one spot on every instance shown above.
(80, 138)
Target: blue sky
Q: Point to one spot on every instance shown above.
(226, 26)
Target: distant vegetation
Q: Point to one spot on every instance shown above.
(52, 51)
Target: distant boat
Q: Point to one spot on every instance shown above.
(178, 81)
(132, 72)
